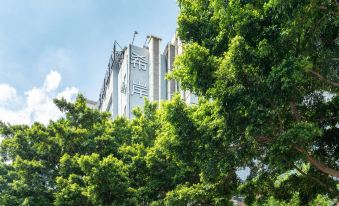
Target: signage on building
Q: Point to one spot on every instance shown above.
(139, 76)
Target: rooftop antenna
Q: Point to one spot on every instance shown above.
(135, 33)
(116, 43)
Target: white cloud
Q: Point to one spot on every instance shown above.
(7, 94)
(38, 105)
(52, 81)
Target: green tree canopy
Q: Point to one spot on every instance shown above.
(272, 69)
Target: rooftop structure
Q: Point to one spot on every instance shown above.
(135, 73)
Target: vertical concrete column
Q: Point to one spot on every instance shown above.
(115, 94)
(178, 50)
(154, 67)
(171, 88)
(162, 76)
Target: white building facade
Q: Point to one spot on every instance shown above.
(135, 73)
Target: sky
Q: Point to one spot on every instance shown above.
(58, 48)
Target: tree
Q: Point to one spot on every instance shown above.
(86, 158)
(271, 67)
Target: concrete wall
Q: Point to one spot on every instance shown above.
(154, 67)
(171, 88)
(115, 94)
(162, 80)
(106, 105)
(122, 85)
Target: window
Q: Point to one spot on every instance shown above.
(109, 105)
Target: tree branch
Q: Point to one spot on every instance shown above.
(316, 163)
(322, 78)
(263, 139)
(295, 111)
(313, 178)
(337, 3)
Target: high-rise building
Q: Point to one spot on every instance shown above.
(135, 73)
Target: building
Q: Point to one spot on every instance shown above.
(91, 104)
(135, 73)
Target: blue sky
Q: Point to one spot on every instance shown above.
(67, 44)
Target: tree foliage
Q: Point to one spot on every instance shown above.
(272, 69)
(86, 158)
